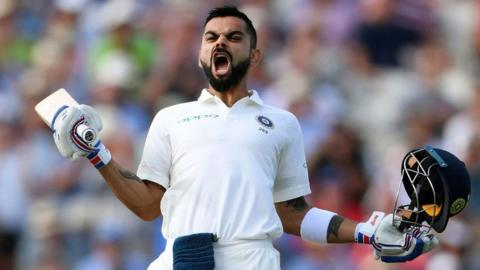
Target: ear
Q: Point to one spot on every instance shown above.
(199, 64)
(256, 57)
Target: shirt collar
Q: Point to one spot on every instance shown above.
(255, 97)
(205, 96)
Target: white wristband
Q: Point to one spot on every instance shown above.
(314, 225)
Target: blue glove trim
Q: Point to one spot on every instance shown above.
(417, 251)
(100, 157)
(56, 115)
(362, 239)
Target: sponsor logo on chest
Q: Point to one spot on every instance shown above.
(265, 123)
(197, 117)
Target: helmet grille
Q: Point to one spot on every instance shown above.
(422, 182)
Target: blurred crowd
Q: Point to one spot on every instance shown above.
(368, 80)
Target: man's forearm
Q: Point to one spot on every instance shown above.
(141, 197)
(324, 226)
(341, 230)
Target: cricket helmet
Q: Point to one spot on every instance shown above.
(438, 186)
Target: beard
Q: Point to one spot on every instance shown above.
(224, 84)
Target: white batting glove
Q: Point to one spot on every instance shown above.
(67, 126)
(390, 245)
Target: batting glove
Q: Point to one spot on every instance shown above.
(75, 131)
(391, 245)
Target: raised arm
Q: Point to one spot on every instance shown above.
(142, 197)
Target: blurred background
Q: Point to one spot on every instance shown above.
(367, 79)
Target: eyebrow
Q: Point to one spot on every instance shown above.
(229, 34)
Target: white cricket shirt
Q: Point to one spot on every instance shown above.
(224, 168)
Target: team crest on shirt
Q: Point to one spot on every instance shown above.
(265, 121)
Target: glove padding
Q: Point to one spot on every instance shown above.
(65, 125)
(391, 245)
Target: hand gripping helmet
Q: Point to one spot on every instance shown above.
(438, 186)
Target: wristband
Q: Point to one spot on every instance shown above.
(100, 157)
(314, 225)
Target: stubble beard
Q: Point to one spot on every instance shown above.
(223, 84)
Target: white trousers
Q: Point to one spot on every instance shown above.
(231, 255)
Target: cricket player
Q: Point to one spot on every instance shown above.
(227, 172)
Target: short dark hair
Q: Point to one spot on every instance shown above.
(232, 11)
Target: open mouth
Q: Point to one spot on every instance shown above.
(221, 64)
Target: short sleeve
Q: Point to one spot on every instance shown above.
(292, 176)
(156, 158)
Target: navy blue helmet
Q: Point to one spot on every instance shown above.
(438, 185)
